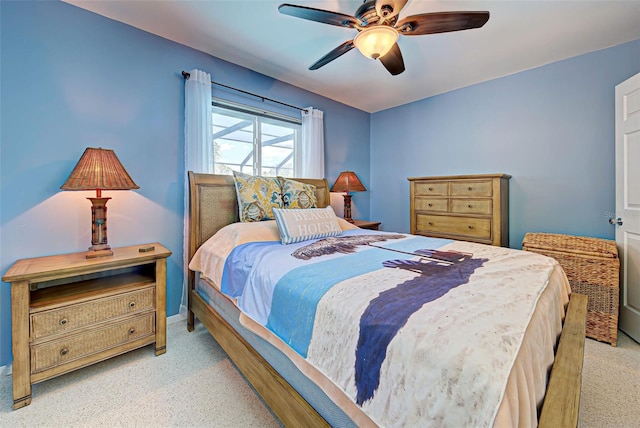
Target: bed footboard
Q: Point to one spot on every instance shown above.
(562, 399)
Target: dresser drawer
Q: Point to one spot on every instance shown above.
(428, 204)
(479, 228)
(471, 188)
(50, 354)
(433, 188)
(54, 321)
(471, 206)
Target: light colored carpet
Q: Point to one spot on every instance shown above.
(195, 385)
(610, 395)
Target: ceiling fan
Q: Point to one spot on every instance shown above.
(378, 28)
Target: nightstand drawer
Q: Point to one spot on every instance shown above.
(67, 318)
(50, 354)
(471, 188)
(471, 206)
(479, 228)
(437, 205)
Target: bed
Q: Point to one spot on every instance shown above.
(298, 392)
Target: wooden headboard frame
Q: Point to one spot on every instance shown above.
(213, 204)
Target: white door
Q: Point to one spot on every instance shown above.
(628, 202)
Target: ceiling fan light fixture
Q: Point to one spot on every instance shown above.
(376, 42)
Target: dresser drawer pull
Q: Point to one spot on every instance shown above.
(470, 188)
(431, 189)
(470, 227)
(63, 321)
(430, 223)
(63, 352)
(132, 330)
(470, 206)
(430, 204)
(132, 305)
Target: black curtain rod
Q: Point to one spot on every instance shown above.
(186, 75)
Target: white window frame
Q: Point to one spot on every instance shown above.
(258, 117)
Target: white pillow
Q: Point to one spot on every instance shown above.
(297, 225)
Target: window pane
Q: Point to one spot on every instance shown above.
(232, 141)
(236, 140)
(277, 148)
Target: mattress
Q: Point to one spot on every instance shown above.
(525, 384)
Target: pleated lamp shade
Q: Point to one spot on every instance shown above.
(347, 182)
(99, 169)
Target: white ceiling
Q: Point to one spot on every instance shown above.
(519, 35)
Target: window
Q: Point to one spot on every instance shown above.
(252, 141)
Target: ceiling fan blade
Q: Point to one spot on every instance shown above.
(389, 8)
(319, 15)
(441, 22)
(392, 61)
(337, 52)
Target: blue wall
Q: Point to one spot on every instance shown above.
(72, 79)
(552, 128)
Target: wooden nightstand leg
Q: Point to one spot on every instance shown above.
(161, 306)
(190, 316)
(20, 344)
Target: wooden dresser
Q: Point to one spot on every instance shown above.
(463, 207)
(69, 311)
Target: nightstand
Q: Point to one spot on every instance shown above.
(68, 311)
(365, 224)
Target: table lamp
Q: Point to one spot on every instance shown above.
(99, 169)
(347, 182)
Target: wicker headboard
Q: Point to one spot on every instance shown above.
(213, 204)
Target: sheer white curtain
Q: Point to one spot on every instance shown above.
(198, 150)
(310, 162)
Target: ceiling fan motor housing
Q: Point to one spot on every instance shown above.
(368, 15)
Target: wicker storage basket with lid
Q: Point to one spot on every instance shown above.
(593, 269)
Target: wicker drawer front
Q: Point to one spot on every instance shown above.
(436, 205)
(433, 188)
(56, 352)
(471, 206)
(479, 228)
(83, 314)
(471, 188)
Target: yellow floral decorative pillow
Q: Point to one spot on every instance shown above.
(296, 194)
(257, 196)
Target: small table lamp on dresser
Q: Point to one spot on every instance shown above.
(99, 169)
(347, 182)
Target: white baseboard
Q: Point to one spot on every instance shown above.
(175, 318)
(6, 370)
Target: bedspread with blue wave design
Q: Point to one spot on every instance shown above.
(388, 316)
